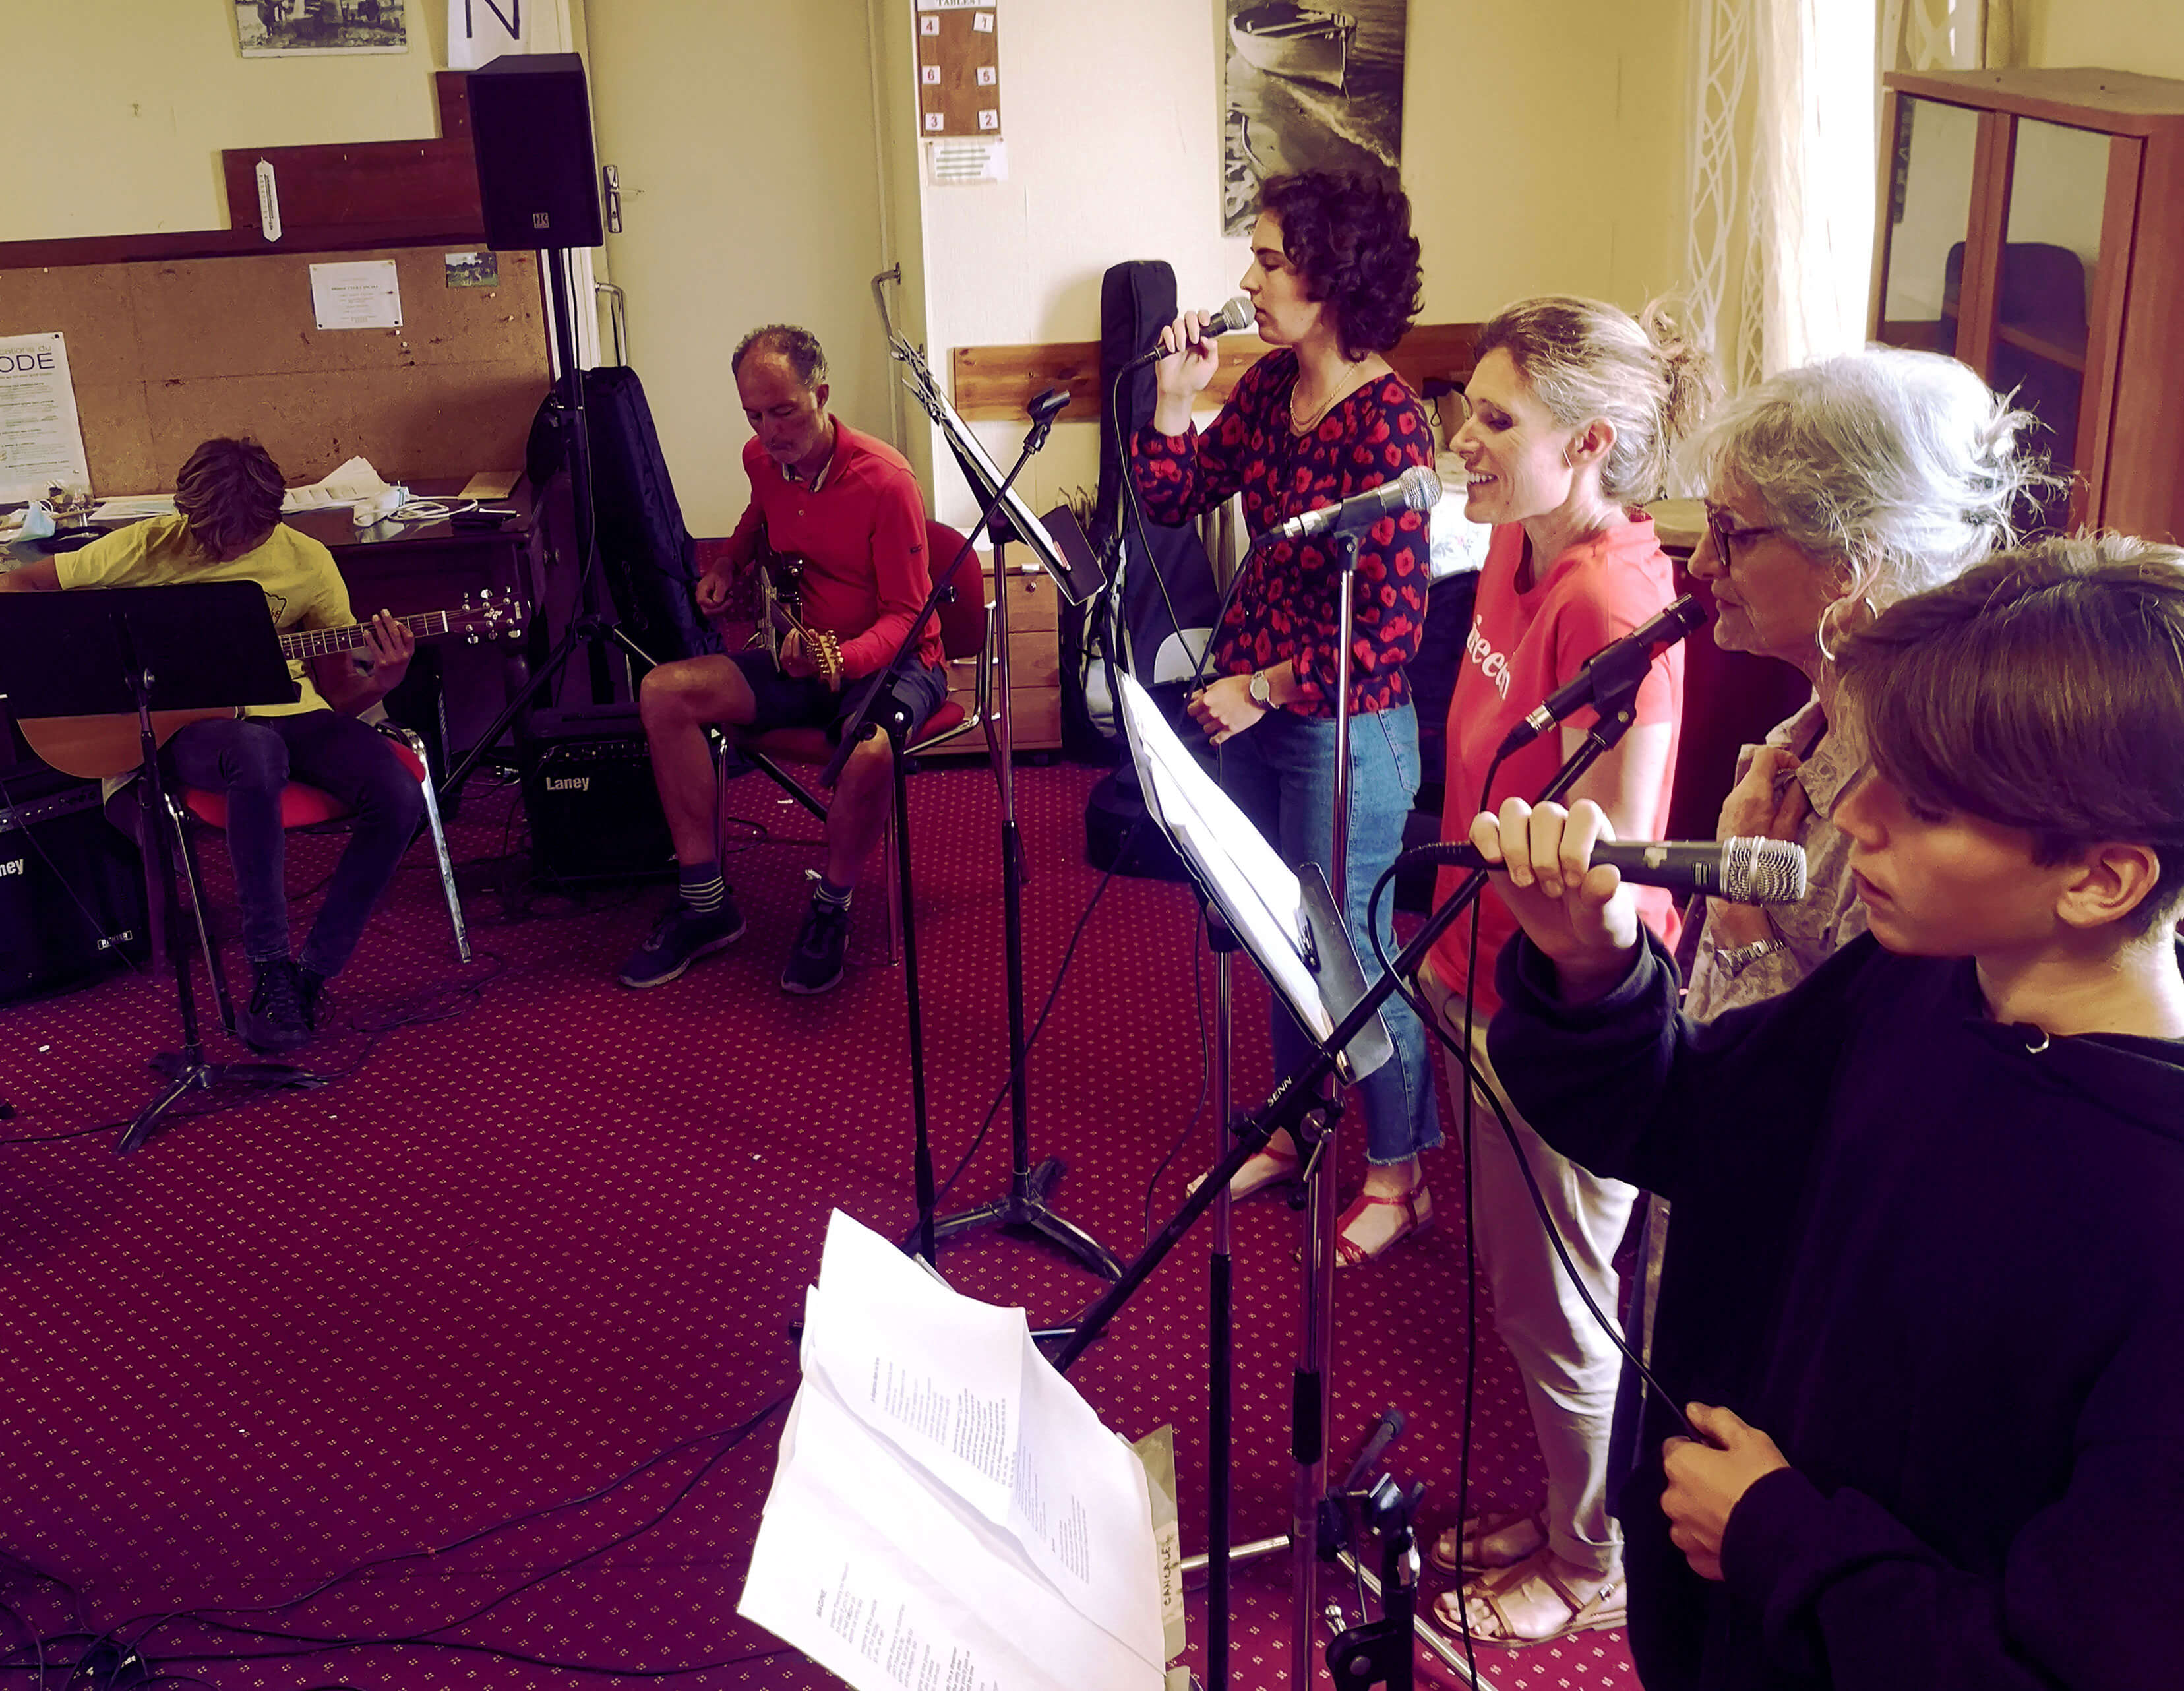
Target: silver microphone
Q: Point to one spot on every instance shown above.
(1741, 870)
(1418, 488)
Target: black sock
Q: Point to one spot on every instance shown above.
(702, 887)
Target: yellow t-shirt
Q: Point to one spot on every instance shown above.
(302, 588)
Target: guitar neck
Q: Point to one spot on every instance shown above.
(319, 642)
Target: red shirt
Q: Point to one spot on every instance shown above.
(1523, 646)
(1287, 609)
(860, 533)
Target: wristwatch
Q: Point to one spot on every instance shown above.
(1736, 959)
(1262, 690)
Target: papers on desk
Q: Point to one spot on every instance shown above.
(947, 1511)
(354, 480)
(1255, 891)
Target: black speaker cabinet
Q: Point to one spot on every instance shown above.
(71, 887)
(530, 125)
(588, 794)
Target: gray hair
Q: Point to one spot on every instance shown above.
(800, 347)
(1588, 360)
(1901, 467)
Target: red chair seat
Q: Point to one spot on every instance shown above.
(301, 807)
(811, 746)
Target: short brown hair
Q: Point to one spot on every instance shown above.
(2042, 690)
(230, 492)
(799, 347)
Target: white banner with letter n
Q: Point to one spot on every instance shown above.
(480, 31)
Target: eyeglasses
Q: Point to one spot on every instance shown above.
(1727, 535)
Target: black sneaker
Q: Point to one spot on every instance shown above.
(681, 937)
(274, 1020)
(814, 961)
(311, 989)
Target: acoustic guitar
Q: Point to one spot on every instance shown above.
(95, 747)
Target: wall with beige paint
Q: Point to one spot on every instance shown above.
(2144, 35)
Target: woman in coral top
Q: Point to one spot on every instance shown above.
(1334, 280)
(1575, 408)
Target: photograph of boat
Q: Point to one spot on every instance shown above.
(1301, 42)
(1308, 87)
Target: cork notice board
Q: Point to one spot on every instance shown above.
(959, 68)
(167, 354)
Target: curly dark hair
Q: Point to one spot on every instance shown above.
(1350, 237)
(230, 491)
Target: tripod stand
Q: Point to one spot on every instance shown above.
(196, 649)
(587, 628)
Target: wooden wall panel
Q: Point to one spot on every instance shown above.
(995, 383)
(165, 354)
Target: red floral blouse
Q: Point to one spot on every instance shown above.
(1287, 609)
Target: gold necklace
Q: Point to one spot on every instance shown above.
(1306, 425)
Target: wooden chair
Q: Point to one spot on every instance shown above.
(967, 620)
(301, 807)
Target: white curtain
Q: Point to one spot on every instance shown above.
(1780, 241)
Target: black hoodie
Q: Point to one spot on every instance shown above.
(1939, 1261)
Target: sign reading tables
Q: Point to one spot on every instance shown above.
(959, 69)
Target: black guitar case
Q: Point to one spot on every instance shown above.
(1158, 606)
(645, 551)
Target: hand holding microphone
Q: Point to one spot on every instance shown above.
(1191, 335)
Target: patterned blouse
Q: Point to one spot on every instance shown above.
(1287, 609)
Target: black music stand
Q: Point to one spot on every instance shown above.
(133, 651)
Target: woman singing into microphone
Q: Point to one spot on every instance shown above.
(1574, 410)
(1334, 280)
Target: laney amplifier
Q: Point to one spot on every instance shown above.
(71, 886)
(587, 793)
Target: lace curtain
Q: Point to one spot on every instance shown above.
(1779, 243)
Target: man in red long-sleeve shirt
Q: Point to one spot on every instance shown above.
(848, 506)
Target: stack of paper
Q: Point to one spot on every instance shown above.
(947, 1511)
(354, 480)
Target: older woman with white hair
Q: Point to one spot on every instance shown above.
(1833, 491)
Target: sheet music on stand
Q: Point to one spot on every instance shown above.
(947, 1511)
(1264, 901)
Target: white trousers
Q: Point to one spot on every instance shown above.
(1570, 1367)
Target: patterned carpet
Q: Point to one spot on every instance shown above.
(497, 1315)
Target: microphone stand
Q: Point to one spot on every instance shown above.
(1295, 1099)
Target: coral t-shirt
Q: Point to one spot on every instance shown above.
(1523, 645)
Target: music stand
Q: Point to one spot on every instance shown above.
(138, 651)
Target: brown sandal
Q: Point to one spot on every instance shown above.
(1607, 1607)
(1417, 1205)
(1458, 1551)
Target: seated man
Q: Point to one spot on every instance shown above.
(1921, 1301)
(227, 527)
(848, 506)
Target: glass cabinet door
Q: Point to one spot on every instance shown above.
(2050, 256)
(1929, 213)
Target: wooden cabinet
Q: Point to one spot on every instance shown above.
(1034, 663)
(2032, 223)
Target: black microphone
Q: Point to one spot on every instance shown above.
(1742, 870)
(1619, 666)
(1418, 488)
(1237, 313)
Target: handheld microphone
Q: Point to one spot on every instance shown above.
(1621, 664)
(1418, 488)
(1742, 870)
(1237, 313)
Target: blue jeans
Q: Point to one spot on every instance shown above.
(1280, 771)
(251, 760)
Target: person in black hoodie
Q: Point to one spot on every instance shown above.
(1924, 1301)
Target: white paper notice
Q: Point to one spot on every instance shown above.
(363, 294)
(948, 1512)
(40, 443)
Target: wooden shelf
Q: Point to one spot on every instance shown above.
(2041, 346)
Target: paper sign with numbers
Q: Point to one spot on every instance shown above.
(959, 68)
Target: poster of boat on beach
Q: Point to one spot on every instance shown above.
(1307, 87)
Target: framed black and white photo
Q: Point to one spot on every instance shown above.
(1307, 88)
(286, 29)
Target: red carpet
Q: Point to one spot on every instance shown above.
(546, 1229)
